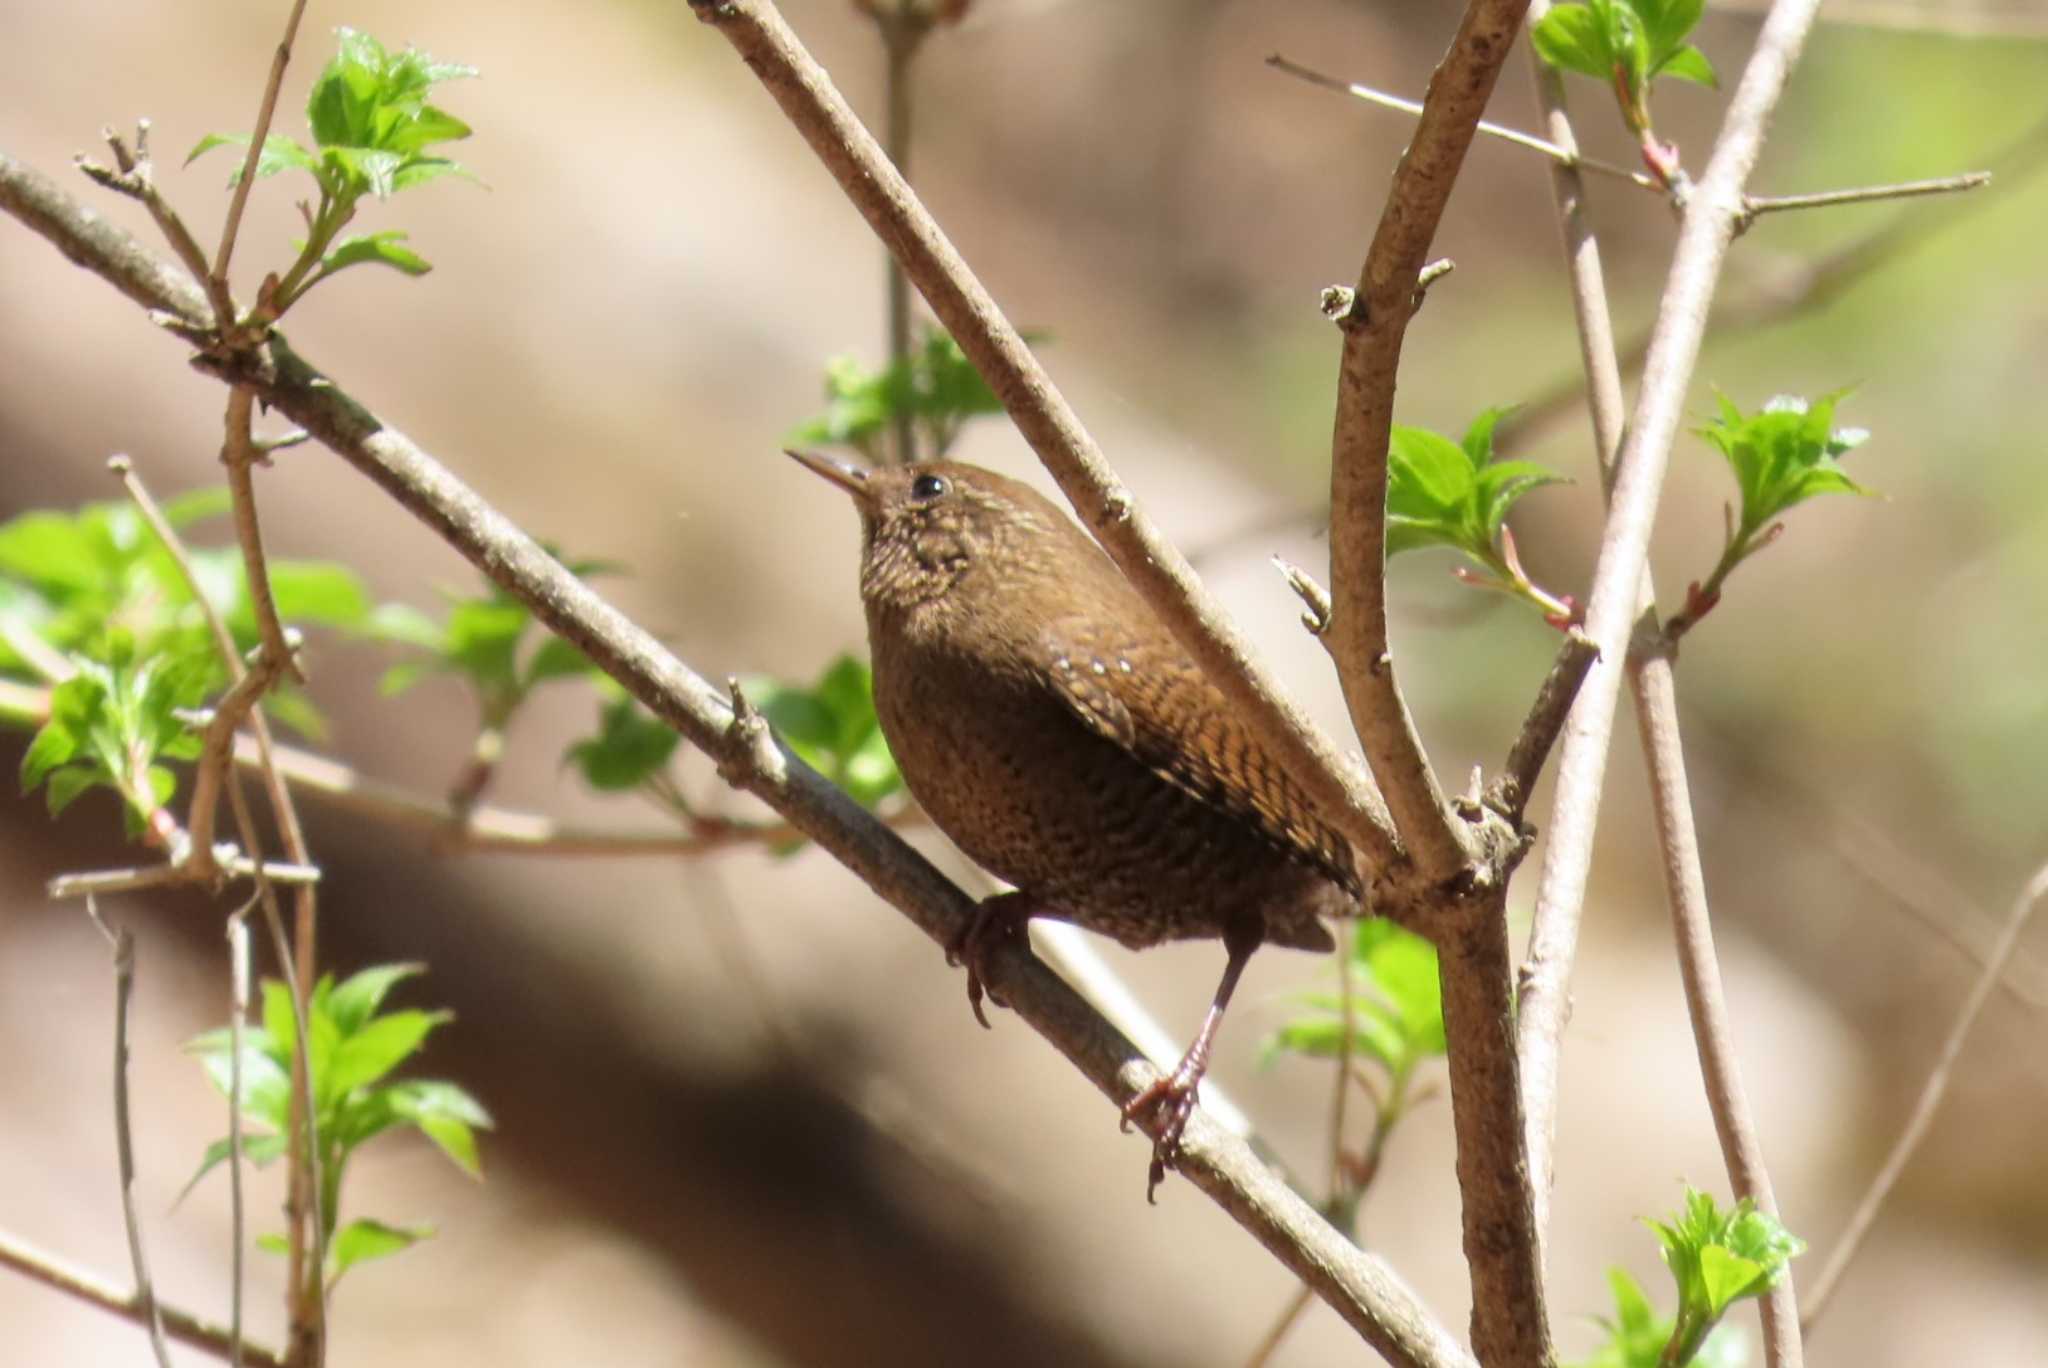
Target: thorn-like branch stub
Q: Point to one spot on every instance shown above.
(1313, 595)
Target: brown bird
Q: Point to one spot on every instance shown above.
(1050, 724)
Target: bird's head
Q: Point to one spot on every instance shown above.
(930, 528)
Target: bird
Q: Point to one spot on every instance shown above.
(1049, 723)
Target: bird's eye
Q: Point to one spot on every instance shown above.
(925, 488)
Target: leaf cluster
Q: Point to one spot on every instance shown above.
(97, 589)
(1718, 1257)
(1625, 45)
(1459, 494)
(374, 134)
(1637, 1337)
(935, 386)
(1397, 1011)
(1784, 454)
(352, 1047)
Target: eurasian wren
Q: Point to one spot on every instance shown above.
(1050, 724)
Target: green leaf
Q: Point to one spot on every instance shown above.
(197, 505)
(869, 771)
(258, 1149)
(356, 999)
(68, 783)
(381, 1045)
(266, 1081)
(1571, 38)
(631, 746)
(280, 153)
(362, 1240)
(273, 1244)
(53, 745)
(50, 550)
(405, 624)
(319, 591)
(1782, 455)
(483, 639)
(445, 1114)
(1402, 967)
(375, 247)
(1690, 64)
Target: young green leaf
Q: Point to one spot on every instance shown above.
(631, 746)
(1718, 1257)
(365, 1239)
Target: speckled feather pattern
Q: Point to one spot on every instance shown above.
(1055, 730)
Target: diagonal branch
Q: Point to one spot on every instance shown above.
(1362, 1288)
(1930, 1099)
(1045, 420)
(180, 1325)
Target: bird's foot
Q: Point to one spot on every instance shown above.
(997, 919)
(1172, 1098)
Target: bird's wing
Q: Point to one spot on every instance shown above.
(1170, 717)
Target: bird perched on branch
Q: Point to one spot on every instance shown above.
(1052, 726)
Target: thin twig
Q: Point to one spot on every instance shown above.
(1815, 284)
(1700, 971)
(225, 858)
(1343, 795)
(180, 1325)
(903, 30)
(1931, 1094)
(306, 1307)
(123, 942)
(1545, 721)
(218, 279)
(1754, 206)
(239, 453)
(134, 175)
(1368, 1295)
(238, 1012)
(1560, 153)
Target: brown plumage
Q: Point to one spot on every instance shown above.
(1050, 724)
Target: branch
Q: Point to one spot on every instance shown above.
(1154, 566)
(1931, 1094)
(217, 281)
(1699, 969)
(1467, 918)
(123, 942)
(1374, 329)
(182, 1326)
(1363, 1290)
(1710, 220)
(1510, 795)
(1565, 154)
(1755, 206)
(1543, 1004)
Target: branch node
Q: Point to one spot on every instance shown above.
(1430, 275)
(1317, 598)
(1342, 306)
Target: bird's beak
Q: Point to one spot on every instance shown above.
(845, 474)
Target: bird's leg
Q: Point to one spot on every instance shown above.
(1174, 1093)
(995, 920)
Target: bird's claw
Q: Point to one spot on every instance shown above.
(1173, 1095)
(994, 920)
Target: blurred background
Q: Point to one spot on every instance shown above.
(744, 1116)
